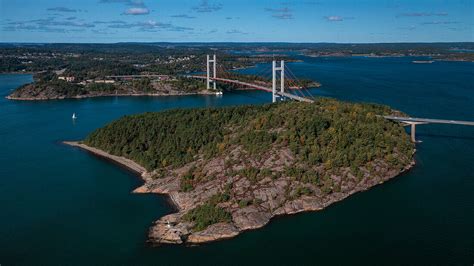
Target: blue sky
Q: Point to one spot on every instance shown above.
(361, 21)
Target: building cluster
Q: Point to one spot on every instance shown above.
(173, 60)
(68, 79)
(113, 79)
(72, 79)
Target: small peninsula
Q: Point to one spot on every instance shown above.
(233, 169)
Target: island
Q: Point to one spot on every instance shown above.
(228, 170)
(51, 87)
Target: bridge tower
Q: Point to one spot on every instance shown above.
(214, 72)
(281, 68)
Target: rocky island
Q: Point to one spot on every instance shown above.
(233, 169)
(49, 86)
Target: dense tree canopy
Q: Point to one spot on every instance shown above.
(328, 132)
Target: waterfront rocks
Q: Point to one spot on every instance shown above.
(34, 92)
(168, 231)
(214, 232)
(250, 217)
(252, 206)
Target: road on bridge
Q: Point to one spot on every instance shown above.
(428, 120)
(258, 87)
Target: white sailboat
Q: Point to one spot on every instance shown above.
(74, 117)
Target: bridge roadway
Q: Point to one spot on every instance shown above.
(413, 121)
(410, 120)
(137, 76)
(258, 87)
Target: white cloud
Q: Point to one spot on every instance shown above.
(280, 13)
(334, 18)
(183, 16)
(62, 9)
(206, 7)
(137, 11)
(136, 3)
(423, 14)
(439, 22)
(235, 31)
(150, 25)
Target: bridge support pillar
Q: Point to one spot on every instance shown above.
(214, 72)
(413, 132)
(282, 79)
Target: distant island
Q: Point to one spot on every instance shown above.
(233, 169)
(459, 52)
(53, 87)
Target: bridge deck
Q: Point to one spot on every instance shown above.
(137, 76)
(429, 121)
(258, 87)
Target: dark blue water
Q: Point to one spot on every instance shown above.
(60, 205)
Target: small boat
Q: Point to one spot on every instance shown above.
(219, 93)
(74, 116)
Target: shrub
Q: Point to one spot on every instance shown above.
(205, 215)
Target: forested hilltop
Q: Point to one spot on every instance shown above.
(232, 169)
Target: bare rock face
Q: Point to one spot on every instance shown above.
(263, 200)
(212, 233)
(250, 217)
(250, 201)
(167, 230)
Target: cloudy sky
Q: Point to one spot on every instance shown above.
(236, 20)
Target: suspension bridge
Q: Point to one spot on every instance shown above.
(282, 77)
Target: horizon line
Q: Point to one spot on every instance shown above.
(224, 42)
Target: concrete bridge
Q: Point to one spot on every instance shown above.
(413, 121)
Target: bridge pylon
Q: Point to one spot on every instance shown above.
(275, 69)
(214, 72)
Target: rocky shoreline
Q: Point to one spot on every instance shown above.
(9, 97)
(171, 229)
